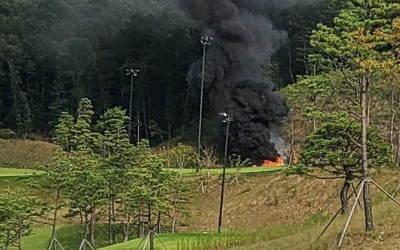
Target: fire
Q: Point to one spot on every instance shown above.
(277, 162)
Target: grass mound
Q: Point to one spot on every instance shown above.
(17, 153)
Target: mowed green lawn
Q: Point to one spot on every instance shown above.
(165, 241)
(11, 172)
(69, 237)
(217, 171)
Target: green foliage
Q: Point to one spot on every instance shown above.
(83, 138)
(351, 43)
(84, 184)
(7, 134)
(335, 147)
(16, 210)
(63, 131)
(98, 165)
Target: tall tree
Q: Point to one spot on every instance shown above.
(117, 155)
(350, 49)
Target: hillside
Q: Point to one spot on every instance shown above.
(293, 210)
(25, 153)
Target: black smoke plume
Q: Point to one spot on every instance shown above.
(235, 81)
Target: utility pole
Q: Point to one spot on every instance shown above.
(205, 41)
(228, 118)
(132, 73)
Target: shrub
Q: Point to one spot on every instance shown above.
(6, 133)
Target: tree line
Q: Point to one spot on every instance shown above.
(55, 52)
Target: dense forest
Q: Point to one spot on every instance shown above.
(54, 52)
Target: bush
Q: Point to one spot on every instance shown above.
(180, 156)
(6, 133)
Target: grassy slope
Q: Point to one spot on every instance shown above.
(9, 172)
(25, 153)
(272, 210)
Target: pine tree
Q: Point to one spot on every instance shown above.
(116, 158)
(62, 135)
(350, 50)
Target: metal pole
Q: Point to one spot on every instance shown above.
(201, 100)
(221, 203)
(132, 73)
(138, 128)
(205, 41)
(130, 108)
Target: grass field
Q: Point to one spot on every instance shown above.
(11, 172)
(217, 171)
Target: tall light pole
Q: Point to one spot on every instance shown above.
(227, 118)
(132, 73)
(205, 41)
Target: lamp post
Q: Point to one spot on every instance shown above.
(132, 73)
(227, 118)
(205, 41)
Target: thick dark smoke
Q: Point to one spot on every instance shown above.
(244, 41)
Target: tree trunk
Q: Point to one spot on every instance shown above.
(290, 67)
(126, 229)
(53, 230)
(159, 222)
(398, 149)
(110, 237)
(113, 217)
(173, 224)
(140, 224)
(314, 125)
(343, 196)
(86, 230)
(92, 227)
(392, 119)
(151, 239)
(369, 223)
(81, 215)
(291, 153)
(20, 235)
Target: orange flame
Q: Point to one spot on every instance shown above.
(277, 162)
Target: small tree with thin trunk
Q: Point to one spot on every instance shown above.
(335, 149)
(54, 181)
(116, 153)
(16, 211)
(181, 156)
